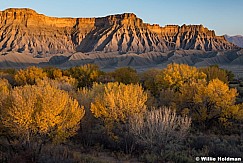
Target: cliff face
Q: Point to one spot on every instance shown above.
(24, 30)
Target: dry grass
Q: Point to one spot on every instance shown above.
(159, 128)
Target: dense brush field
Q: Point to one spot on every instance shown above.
(83, 114)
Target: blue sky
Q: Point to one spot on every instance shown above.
(223, 16)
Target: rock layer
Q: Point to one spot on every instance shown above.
(24, 30)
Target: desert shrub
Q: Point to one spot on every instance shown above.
(118, 103)
(203, 101)
(230, 75)
(4, 86)
(159, 129)
(217, 145)
(105, 77)
(91, 131)
(36, 115)
(148, 80)
(239, 112)
(29, 75)
(210, 105)
(125, 75)
(214, 72)
(86, 96)
(65, 83)
(169, 98)
(85, 75)
(110, 129)
(176, 75)
(5, 89)
(53, 73)
(11, 71)
(8, 74)
(185, 88)
(152, 100)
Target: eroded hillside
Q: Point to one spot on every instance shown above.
(26, 31)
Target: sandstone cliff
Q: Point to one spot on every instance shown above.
(24, 30)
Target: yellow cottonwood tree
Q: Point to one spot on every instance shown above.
(216, 101)
(176, 75)
(40, 114)
(187, 93)
(208, 100)
(118, 103)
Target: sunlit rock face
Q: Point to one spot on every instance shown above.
(26, 31)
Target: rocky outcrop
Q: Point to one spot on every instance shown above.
(25, 31)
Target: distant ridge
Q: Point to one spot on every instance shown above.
(26, 31)
(237, 40)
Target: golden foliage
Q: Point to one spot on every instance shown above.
(188, 89)
(57, 73)
(118, 102)
(29, 76)
(216, 100)
(86, 74)
(87, 96)
(176, 75)
(5, 87)
(238, 112)
(187, 93)
(41, 113)
(53, 73)
(64, 83)
(218, 93)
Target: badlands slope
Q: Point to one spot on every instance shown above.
(28, 38)
(25, 31)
